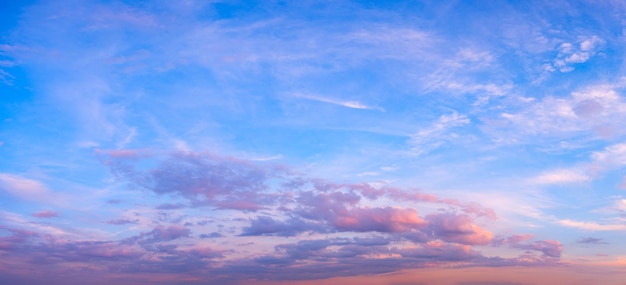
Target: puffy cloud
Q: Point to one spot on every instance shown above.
(458, 229)
(470, 208)
(549, 248)
(168, 233)
(203, 179)
(569, 55)
(379, 219)
(363, 233)
(338, 210)
(195, 177)
(264, 225)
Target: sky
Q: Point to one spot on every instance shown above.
(313, 142)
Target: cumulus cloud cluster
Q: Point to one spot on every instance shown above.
(317, 228)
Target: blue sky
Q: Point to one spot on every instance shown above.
(181, 142)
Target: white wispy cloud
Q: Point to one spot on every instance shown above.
(571, 54)
(596, 110)
(592, 226)
(456, 74)
(347, 104)
(561, 176)
(613, 155)
(432, 137)
(267, 158)
(24, 188)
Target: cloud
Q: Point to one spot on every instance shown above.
(438, 251)
(458, 229)
(431, 138)
(202, 179)
(123, 153)
(549, 248)
(378, 219)
(211, 235)
(264, 225)
(592, 226)
(347, 104)
(561, 176)
(591, 240)
(570, 55)
(338, 210)
(593, 110)
(122, 221)
(607, 159)
(168, 233)
(514, 239)
(170, 206)
(225, 183)
(46, 214)
(318, 226)
(24, 188)
(611, 156)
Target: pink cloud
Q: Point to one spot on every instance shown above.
(379, 219)
(467, 207)
(123, 153)
(24, 188)
(515, 239)
(46, 214)
(458, 229)
(279, 203)
(439, 251)
(239, 205)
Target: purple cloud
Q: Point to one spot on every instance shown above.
(211, 235)
(591, 240)
(549, 248)
(159, 234)
(282, 204)
(203, 179)
(121, 221)
(268, 226)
